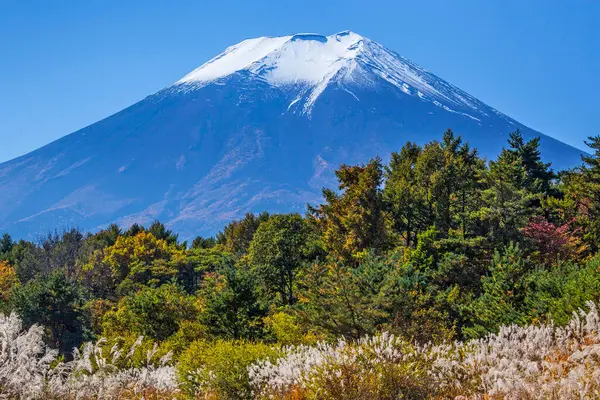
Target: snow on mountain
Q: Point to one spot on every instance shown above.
(314, 61)
(262, 126)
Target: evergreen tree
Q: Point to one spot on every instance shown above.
(537, 176)
(160, 231)
(231, 308)
(237, 235)
(403, 195)
(277, 252)
(203, 243)
(437, 185)
(353, 220)
(501, 302)
(134, 230)
(507, 203)
(591, 190)
(57, 304)
(344, 300)
(6, 245)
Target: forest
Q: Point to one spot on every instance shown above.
(438, 274)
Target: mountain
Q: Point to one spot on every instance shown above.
(262, 126)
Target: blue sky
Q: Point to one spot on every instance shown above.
(66, 64)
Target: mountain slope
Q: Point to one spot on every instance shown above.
(260, 127)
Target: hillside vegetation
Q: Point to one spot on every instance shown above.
(437, 275)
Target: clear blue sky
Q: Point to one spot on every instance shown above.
(66, 64)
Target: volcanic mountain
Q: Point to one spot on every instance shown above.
(262, 126)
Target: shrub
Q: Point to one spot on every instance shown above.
(378, 367)
(533, 362)
(287, 331)
(221, 368)
(31, 370)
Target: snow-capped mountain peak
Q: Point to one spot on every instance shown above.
(303, 57)
(311, 62)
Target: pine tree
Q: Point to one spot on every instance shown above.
(507, 206)
(591, 189)
(403, 195)
(353, 221)
(6, 245)
(237, 235)
(536, 176)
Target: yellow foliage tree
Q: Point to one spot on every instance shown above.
(140, 259)
(8, 280)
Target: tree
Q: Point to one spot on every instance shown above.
(552, 244)
(160, 231)
(156, 313)
(199, 263)
(64, 250)
(501, 301)
(57, 251)
(133, 257)
(507, 206)
(231, 308)
(466, 198)
(537, 176)
(56, 303)
(6, 245)
(353, 221)
(134, 230)
(414, 310)
(277, 252)
(203, 243)
(435, 185)
(135, 261)
(237, 235)
(453, 183)
(342, 299)
(8, 280)
(403, 194)
(588, 193)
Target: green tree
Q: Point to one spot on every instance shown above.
(453, 184)
(537, 176)
(503, 293)
(134, 230)
(555, 294)
(435, 185)
(6, 245)
(160, 231)
(231, 307)
(587, 193)
(342, 299)
(156, 313)
(506, 205)
(237, 235)
(403, 194)
(277, 253)
(353, 220)
(203, 243)
(56, 303)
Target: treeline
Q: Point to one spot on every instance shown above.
(437, 244)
